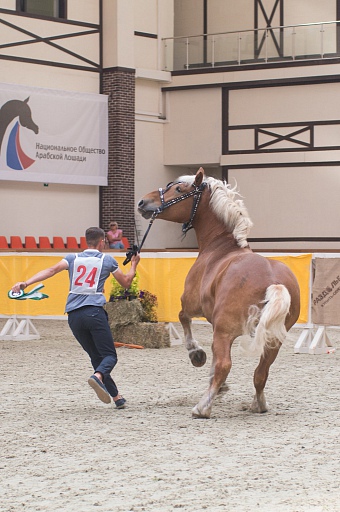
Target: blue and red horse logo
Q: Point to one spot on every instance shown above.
(16, 158)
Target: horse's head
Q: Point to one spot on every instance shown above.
(158, 202)
(25, 116)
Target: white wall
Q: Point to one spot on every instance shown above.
(56, 210)
(193, 130)
(8, 4)
(309, 11)
(77, 10)
(146, 16)
(188, 17)
(118, 33)
(228, 15)
(50, 77)
(291, 202)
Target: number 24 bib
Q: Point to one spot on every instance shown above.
(86, 273)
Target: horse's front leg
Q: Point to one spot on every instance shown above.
(221, 367)
(224, 386)
(197, 355)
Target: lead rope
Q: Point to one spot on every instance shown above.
(135, 249)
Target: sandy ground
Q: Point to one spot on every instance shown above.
(63, 450)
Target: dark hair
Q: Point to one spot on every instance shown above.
(94, 235)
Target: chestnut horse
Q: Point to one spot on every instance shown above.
(237, 291)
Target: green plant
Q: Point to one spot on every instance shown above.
(147, 299)
(119, 292)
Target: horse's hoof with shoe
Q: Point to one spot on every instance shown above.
(198, 357)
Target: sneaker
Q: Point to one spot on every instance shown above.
(100, 389)
(120, 403)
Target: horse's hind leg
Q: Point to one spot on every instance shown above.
(260, 378)
(197, 355)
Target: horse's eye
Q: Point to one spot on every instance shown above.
(178, 189)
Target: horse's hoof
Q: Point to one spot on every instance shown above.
(198, 357)
(224, 388)
(258, 408)
(196, 413)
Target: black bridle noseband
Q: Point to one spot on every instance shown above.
(196, 192)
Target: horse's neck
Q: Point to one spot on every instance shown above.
(215, 240)
(211, 233)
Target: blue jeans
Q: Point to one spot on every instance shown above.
(91, 329)
(117, 245)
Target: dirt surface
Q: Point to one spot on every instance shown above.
(63, 450)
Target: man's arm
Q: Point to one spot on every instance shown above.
(41, 276)
(125, 280)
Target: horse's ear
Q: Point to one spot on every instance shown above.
(199, 176)
(26, 100)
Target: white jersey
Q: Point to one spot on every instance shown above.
(86, 273)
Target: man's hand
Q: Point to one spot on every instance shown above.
(135, 259)
(132, 251)
(21, 285)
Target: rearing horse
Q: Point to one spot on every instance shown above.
(236, 290)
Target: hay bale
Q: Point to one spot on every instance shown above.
(149, 335)
(126, 325)
(124, 312)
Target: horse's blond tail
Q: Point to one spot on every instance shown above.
(270, 330)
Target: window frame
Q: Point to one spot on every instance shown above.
(62, 10)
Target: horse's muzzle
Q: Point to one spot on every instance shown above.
(144, 214)
(144, 211)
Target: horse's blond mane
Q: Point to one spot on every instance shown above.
(226, 206)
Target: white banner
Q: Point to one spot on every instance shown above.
(53, 136)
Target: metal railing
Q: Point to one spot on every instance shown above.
(271, 44)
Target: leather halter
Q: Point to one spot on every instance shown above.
(196, 192)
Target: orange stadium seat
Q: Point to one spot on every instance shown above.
(44, 242)
(83, 244)
(71, 242)
(3, 242)
(58, 242)
(30, 242)
(15, 242)
(125, 241)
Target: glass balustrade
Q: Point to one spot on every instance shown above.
(272, 44)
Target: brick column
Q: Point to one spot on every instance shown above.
(117, 200)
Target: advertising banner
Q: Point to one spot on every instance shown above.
(53, 136)
(326, 288)
(162, 274)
